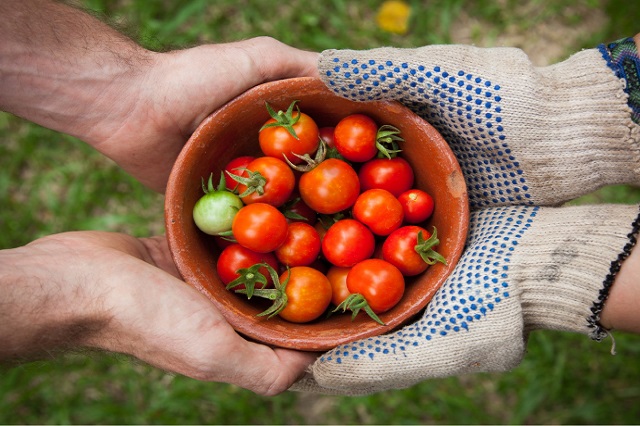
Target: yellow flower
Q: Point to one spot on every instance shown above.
(393, 16)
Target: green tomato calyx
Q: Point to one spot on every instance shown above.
(222, 185)
(354, 302)
(277, 294)
(425, 248)
(311, 163)
(387, 141)
(254, 181)
(284, 119)
(249, 277)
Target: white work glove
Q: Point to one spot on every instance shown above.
(528, 139)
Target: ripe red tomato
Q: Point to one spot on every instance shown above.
(268, 180)
(277, 141)
(321, 229)
(296, 210)
(338, 278)
(395, 175)
(326, 134)
(260, 227)
(379, 282)
(332, 186)
(355, 137)
(411, 255)
(308, 294)
(301, 247)
(235, 257)
(235, 167)
(380, 210)
(347, 242)
(417, 205)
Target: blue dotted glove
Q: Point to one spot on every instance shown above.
(522, 135)
(527, 139)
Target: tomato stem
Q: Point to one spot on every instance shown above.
(311, 163)
(425, 248)
(254, 181)
(354, 302)
(278, 294)
(249, 277)
(222, 185)
(283, 119)
(387, 141)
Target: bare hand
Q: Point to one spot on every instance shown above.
(122, 294)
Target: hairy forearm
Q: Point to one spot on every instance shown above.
(42, 311)
(64, 69)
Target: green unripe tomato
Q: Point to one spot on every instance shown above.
(213, 213)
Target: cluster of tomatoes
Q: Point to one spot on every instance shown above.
(327, 216)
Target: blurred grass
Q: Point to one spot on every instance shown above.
(52, 183)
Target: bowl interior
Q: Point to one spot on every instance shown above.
(232, 131)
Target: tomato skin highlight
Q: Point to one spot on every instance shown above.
(399, 250)
(330, 187)
(308, 292)
(355, 137)
(260, 227)
(395, 175)
(417, 204)
(278, 142)
(381, 283)
(347, 242)
(235, 257)
(301, 247)
(280, 182)
(380, 210)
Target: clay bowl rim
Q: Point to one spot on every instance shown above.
(318, 335)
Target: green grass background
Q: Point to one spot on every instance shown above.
(50, 183)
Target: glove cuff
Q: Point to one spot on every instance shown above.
(567, 265)
(622, 58)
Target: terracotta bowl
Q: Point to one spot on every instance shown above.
(232, 131)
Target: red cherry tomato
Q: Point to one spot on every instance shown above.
(355, 137)
(278, 142)
(417, 205)
(347, 242)
(235, 257)
(260, 227)
(296, 210)
(379, 282)
(395, 175)
(327, 136)
(235, 167)
(273, 177)
(400, 249)
(330, 187)
(379, 210)
(308, 294)
(321, 229)
(338, 278)
(301, 247)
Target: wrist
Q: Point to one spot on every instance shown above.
(45, 307)
(565, 263)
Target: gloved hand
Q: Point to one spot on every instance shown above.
(527, 139)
